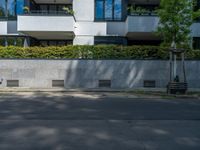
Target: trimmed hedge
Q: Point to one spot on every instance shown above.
(92, 52)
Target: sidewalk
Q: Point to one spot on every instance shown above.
(80, 90)
(132, 93)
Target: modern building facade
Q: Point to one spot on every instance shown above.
(81, 22)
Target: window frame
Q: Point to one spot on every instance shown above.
(113, 19)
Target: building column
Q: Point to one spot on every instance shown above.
(26, 42)
(83, 40)
(6, 42)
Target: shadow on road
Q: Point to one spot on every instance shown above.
(93, 121)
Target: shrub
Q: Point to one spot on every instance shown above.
(91, 52)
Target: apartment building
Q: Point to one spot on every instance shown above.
(81, 22)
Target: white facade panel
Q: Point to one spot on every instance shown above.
(91, 28)
(3, 27)
(84, 10)
(45, 23)
(83, 40)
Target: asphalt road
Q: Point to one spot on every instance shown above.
(97, 121)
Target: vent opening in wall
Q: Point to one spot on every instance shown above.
(58, 83)
(105, 83)
(12, 83)
(149, 83)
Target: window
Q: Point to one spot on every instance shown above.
(2, 41)
(118, 10)
(108, 10)
(99, 9)
(197, 7)
(12, 41)
(19, 7)
(44, 43)
(19, 41)
(2, 8)
(98, 40)
(11, 8)
(196, 42)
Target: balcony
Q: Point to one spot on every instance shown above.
(43, 25)
(141, 26)
(195, 29)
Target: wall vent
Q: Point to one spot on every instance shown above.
(105, 83)
(149, 83)
(12, 83)
(58, 83)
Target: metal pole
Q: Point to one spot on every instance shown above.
(175, 66)
(183, 63)
(171, 67)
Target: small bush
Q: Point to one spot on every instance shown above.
(92, 52)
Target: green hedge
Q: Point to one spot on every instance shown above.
(92, 52)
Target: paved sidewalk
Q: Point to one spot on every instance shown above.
(97, 121)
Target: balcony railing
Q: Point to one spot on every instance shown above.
(46, 13)
(142, 23)
(147, 13)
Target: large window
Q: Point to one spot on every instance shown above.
(44, 43)
(117, 10)
(99, 9)
(11, 8)
(51, 9)
(12, 41)
(196, 42)
(108, 10)
(98, 40)
(19, 7)
(2, 8)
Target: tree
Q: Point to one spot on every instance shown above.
(176, 17)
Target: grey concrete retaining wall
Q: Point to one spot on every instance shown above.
(87, 73)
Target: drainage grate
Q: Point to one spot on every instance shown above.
(58, 83)
(12, 83)
(105, 83)
(149, 83)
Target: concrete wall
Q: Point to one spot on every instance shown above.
(86, 73)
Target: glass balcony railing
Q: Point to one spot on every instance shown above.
(44, 12)
(142, 13)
